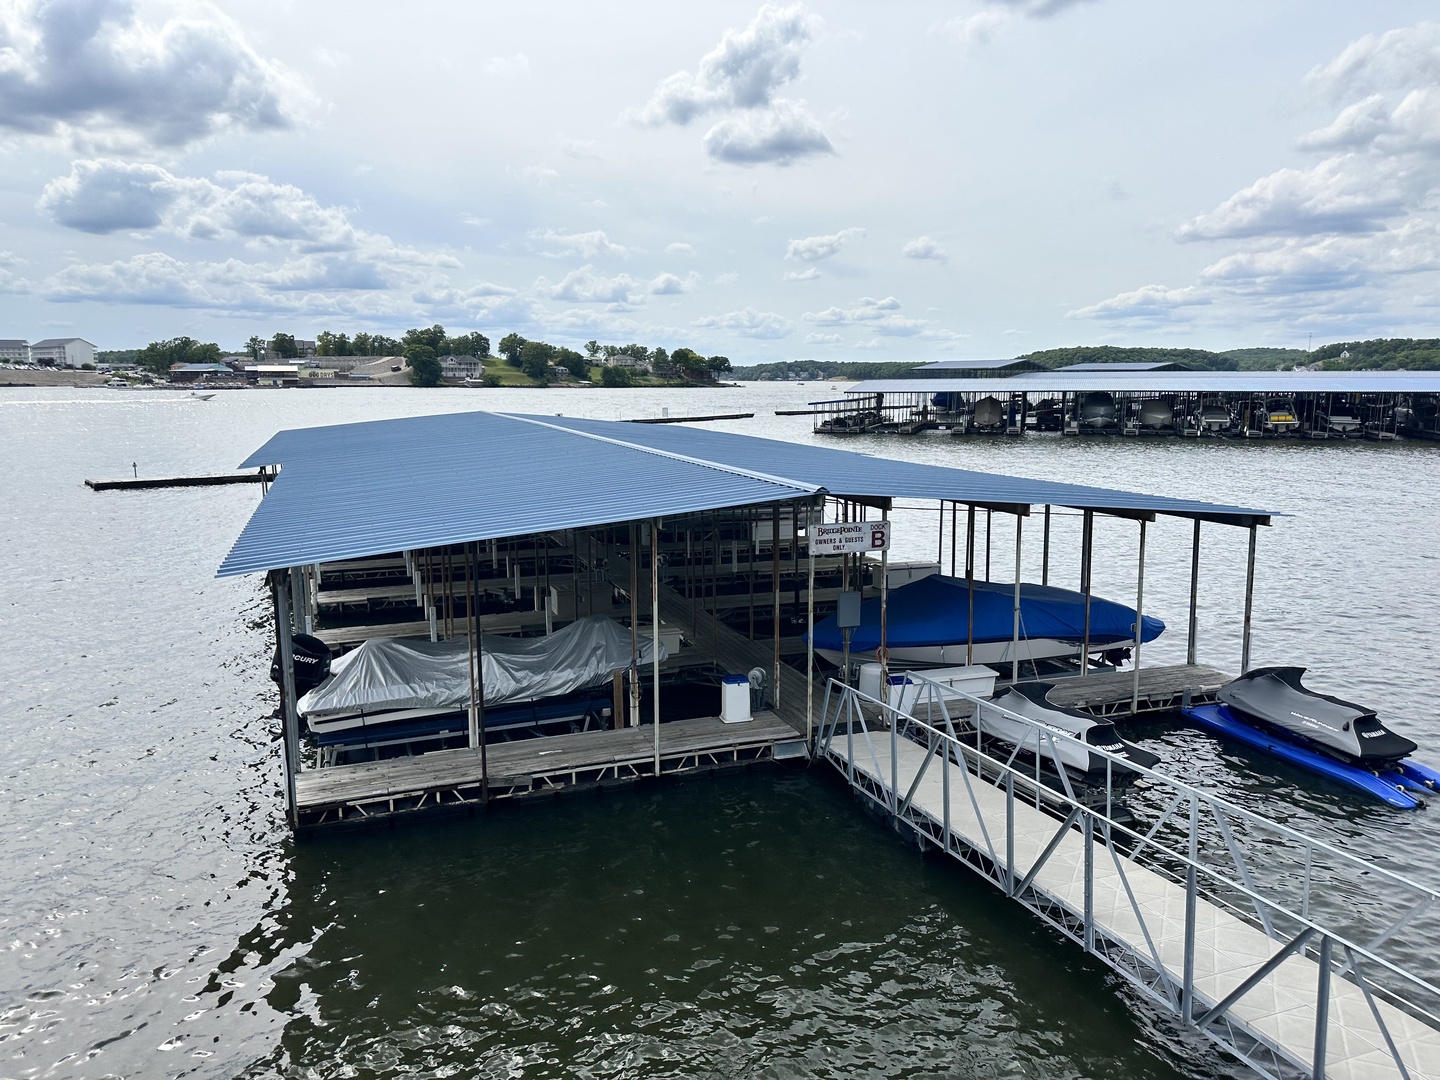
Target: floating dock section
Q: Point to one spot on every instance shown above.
(1284, 977)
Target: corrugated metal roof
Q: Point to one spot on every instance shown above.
(364, 489)
(389, 485)
(1262, 382)
(974, 365)
(850, 473)
(1127, 365)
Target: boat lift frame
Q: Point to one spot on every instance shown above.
(1158, 902)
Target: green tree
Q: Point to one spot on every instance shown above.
(256, 347)
(716, 364)
(424, 367)
(361, 344)
(536, 358)
(688, 361)
(325, 343)
(433, 337)
(510, 348)
(473, 344)
(592, 348)
(283, 346)
(342, 345)
(573, 362)
(614, 376)
(380, 345)
(159, 356)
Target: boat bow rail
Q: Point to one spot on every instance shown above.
(1286, 951)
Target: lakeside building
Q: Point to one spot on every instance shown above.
(62, 352)
(181, 373)
(14, 351)
(461, 367)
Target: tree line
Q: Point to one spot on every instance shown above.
(536, 358)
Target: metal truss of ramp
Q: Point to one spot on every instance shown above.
(1281, 949)
(454, 778)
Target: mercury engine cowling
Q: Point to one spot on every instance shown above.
(312, 663)
(1029, 700)
(1276, 698)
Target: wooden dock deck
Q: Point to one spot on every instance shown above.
(1124, 907)
(342, 794)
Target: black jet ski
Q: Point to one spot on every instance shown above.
(1029, 700)
(1275, 698)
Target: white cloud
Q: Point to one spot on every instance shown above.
(587, 286)
(587, 245)
(582, 149)
(750, 323)
(996, 16)
(816, 248)
(538, 174)
(922, 247)
(106, 196)
(810, 273)
(780, 135)
(1331, 242)
(817, 338)
(95, 72)
(880, 316)
(740, 77)
(742, 72)
(668, 284)
(503, 67)
(679, 248)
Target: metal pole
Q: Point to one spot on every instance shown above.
(1139, 620)
(472, 658)
(970, 584)
(810, 636)
(655, 632)
(1194, 595)
(954, 521)
(1249, 603)
(634, 629)
(883, 653)
(1015, 641)
(289, 718)
(1322, 1008)
(775, 601)
(989, 521)
(1087, 542)
(1045, 553)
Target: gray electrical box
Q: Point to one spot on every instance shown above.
(847, 611)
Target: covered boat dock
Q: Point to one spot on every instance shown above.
(454, 528)
(1135, 400)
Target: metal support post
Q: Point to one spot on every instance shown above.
(289, 718)
(775, 601)
(1194, 595)
(970, 584)
(1249, 604)
(655, 633)
(1045, 550)
(810, 631)
(1087, 542)
(1322, 1010)
(1187, 982)
(883, 652)
(1015, 637)
(1139, 622)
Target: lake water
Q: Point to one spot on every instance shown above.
(158, 920)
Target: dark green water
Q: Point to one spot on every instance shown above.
(157, 920)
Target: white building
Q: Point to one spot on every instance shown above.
(70, 352)
(461, 367)
(630, 363)
(14, 351)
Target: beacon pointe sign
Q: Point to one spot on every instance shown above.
(850, 537)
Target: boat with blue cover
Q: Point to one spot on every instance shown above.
(1272, 710)
(929, 622)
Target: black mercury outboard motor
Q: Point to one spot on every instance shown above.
(312, 663)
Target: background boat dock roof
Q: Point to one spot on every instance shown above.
(353, 490)
(1179, 382)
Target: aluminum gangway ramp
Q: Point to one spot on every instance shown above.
(1293, 978)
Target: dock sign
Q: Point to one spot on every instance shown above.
(844, 538)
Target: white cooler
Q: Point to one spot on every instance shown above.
(734, 699)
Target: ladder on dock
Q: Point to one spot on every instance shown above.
(1283, 950)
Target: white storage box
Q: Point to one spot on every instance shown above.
(734, 699)
(975, 680)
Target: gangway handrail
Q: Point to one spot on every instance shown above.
(1177, 992)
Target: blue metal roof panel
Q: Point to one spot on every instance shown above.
(1263, 382)
(850, 473)
(363, 489)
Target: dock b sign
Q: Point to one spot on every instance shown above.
(850, 537)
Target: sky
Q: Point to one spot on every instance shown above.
(816, 180)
